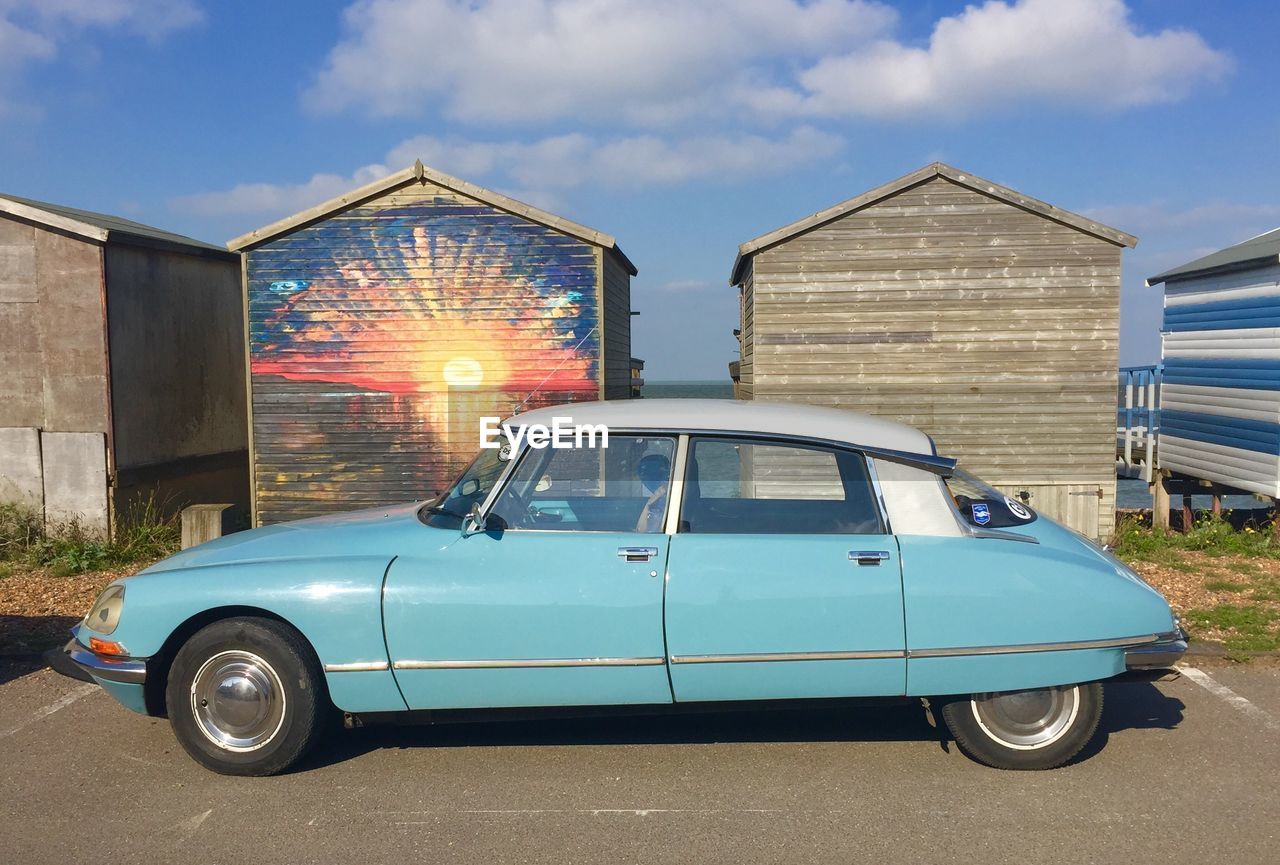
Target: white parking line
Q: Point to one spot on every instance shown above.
(1222, 692)
(60, 703)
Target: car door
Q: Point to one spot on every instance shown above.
(783, 581)
(558, 602)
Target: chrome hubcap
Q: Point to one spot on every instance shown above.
(237, 700)
(1027, 720)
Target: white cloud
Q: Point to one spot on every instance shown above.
(280, 199)
(1160, 217)
(1083, 53)
(33, 30)
(542, 171)
(149, 18)
(593, 60)
(601, 62)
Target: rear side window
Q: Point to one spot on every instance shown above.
(982, 505)
(740, 486)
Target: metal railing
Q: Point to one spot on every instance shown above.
(1138, 420)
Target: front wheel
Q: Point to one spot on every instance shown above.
(244, 697)
(1034, 729)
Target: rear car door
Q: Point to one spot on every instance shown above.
(783, 579)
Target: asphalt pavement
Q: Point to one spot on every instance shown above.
(1187, 775)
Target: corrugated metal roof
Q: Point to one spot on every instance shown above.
(1255, 252)
(97, 226)
(922, 175)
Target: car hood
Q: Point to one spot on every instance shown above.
(373, 531)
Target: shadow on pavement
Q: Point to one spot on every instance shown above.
(898, 723)
(16, 666)
(1127, 706)
(1132, 706)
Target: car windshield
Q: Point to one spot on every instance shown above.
(448, 509)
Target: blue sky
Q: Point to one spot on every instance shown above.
(682, 128)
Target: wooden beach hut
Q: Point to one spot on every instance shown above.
(123, 374)
(1220, 388)
(384, 323)
(981, 315)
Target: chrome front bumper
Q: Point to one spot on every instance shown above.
(76, 661)
(1166, 651)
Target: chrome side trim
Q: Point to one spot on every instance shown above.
(527, 664)
(999, 535)
(766, 657)
(357, 667)
(1117, 643)
(131, 671)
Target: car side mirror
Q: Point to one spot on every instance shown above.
(475, 521)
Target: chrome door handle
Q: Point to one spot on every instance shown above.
(868, 557)
(637, 554)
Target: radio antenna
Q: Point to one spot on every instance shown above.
(531, 393)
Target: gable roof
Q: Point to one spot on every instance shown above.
(101, 227)
(923, 175)
(1257, 251)
(423, 174)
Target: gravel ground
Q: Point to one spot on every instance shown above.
(37, 607)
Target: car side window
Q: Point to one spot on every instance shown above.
(620, 488)
(740, 486)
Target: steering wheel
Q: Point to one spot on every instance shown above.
(524, 514)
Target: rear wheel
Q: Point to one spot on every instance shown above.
(1033, 729)
(245, 697)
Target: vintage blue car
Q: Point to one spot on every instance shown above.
(712, 553)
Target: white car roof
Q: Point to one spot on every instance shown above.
(746, 416)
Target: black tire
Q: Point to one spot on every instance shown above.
(1010, 730)
(261, 704)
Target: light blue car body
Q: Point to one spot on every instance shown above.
(399, 612)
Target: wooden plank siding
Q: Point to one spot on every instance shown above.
(380, 334)
(746, 369)
(616, 299)
(992, 328)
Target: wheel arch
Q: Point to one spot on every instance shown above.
(159, 664)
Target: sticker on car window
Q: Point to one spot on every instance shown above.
(981, 513)
(1017, 508)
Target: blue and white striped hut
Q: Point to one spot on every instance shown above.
(1220, 397)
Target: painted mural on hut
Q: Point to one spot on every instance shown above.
(380, 336)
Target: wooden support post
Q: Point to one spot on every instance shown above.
(1159, 502)
(1186, 512)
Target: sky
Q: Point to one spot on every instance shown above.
(682, 128)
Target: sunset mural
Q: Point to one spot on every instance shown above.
(379, 337)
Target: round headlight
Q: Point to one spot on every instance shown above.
(105, 613)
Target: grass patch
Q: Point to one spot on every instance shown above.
(1211, 535)
(25, 542)
(1251, 628)
(1249, 569)
(1224, 581)
(1225, 586)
